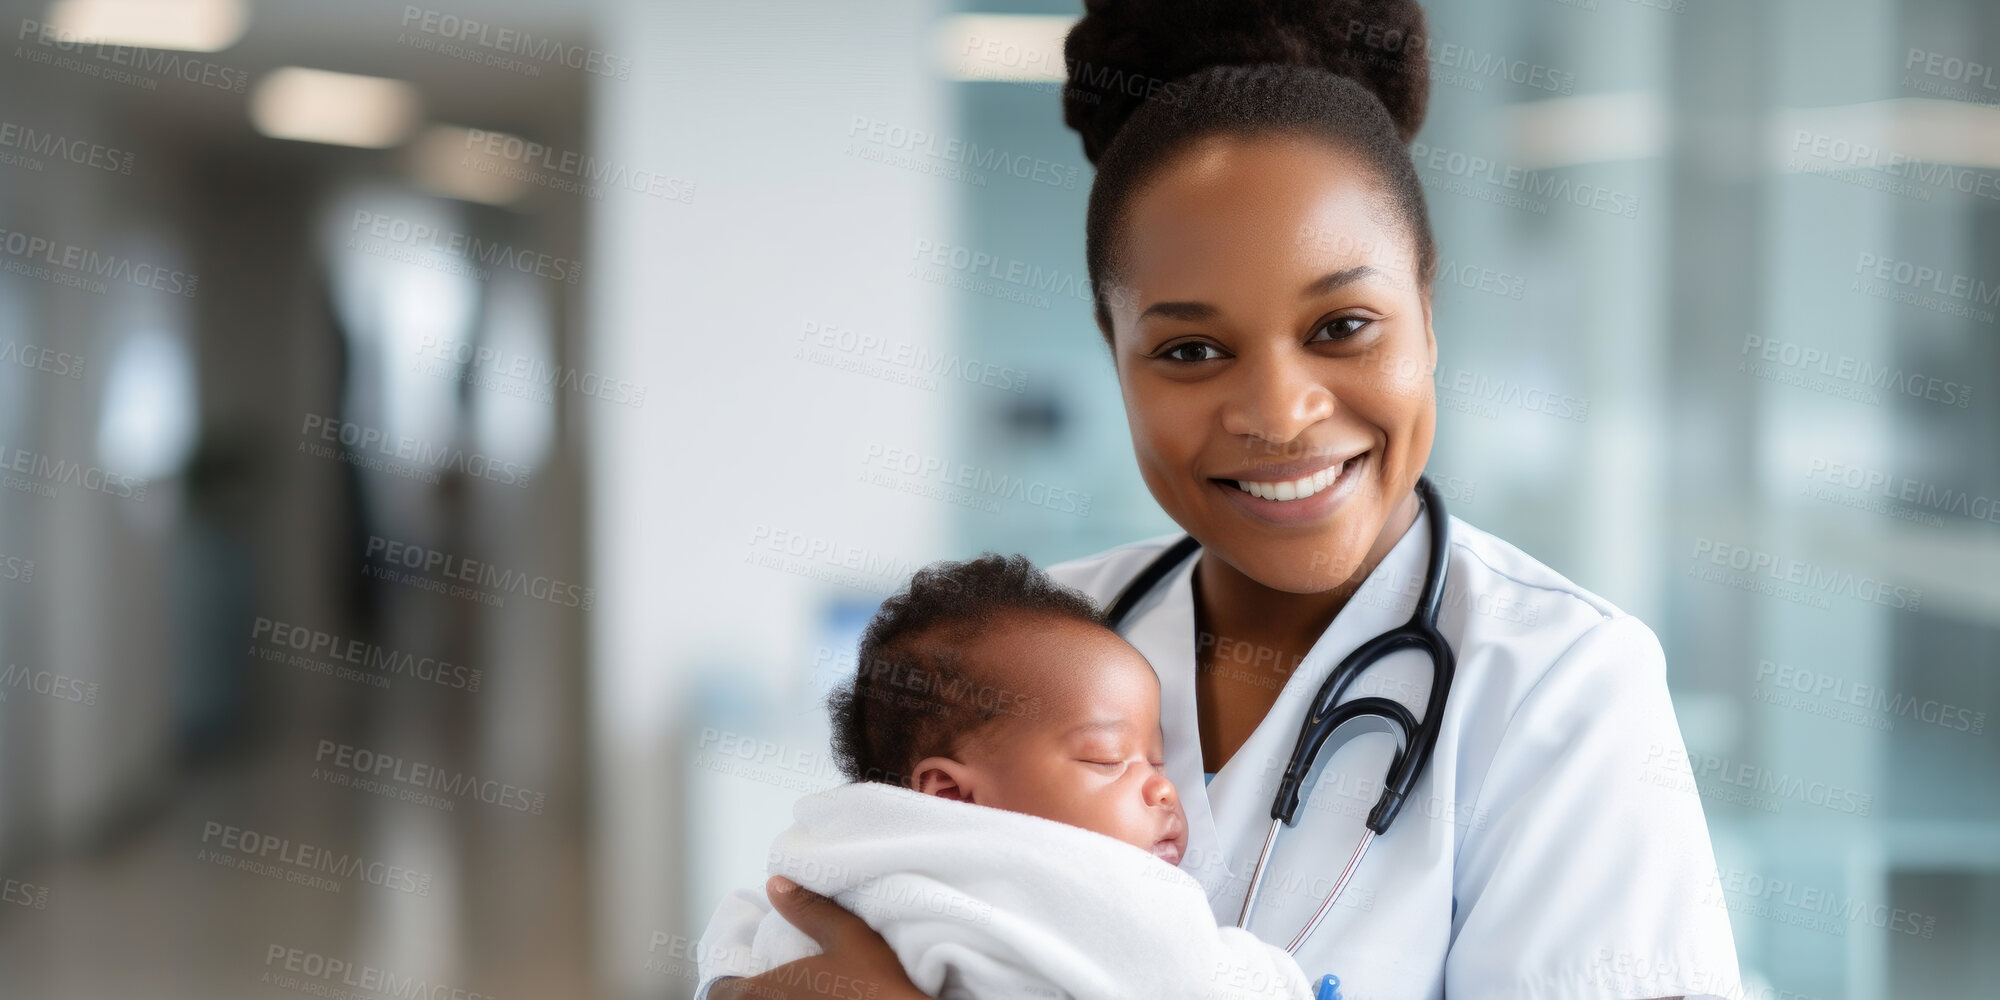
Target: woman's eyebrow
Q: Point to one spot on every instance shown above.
(1185, 310)
(1338, 279)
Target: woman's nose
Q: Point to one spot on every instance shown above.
(1276, 397)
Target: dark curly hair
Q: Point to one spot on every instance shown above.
(915, 693)
(1148, 77)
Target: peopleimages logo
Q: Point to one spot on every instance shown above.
(61, 364)
(1952, 68)
(142, 59)
(26, 894)
(1386, 41)
(515, 42)
(919, 142)
(47, 684)
(490, 580)
(1666, 763)
(1857, 372)
(36, 142)
(63, 472)
(1755, 888)
(1020, 273)
(1924, 278)
(978, 482)
(1535, 183)
(465, 247)
(376, 662)
(415, 453)
(924, 366)
(1842, 583)
(527, 370)
(294, 966)
(1825, 153)
(593, 174)
(1871, 696)
(429, 777)
(1875, 482)
(255, 847)
(86, 261)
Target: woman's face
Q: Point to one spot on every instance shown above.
(1274, 349)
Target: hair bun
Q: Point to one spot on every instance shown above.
(1124, 51)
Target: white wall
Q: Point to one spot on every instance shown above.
(703, 304)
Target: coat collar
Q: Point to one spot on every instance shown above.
(1228, 818)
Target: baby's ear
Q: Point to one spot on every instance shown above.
(944, 778)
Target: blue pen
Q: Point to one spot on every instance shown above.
(1329, 988)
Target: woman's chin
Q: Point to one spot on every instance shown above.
(1297, 566)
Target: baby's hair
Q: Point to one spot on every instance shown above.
(915, 693)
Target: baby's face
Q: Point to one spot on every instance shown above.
(1092, 756)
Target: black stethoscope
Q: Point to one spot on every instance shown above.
(1328, 715)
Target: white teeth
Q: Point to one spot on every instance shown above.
(1296, 489)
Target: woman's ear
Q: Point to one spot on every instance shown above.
(1430, 335)
(944, 778)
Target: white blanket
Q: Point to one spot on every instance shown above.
(986, 903)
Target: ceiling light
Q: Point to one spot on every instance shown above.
(189, 25)
(342, 109)
(453, 162)
(1016, 47)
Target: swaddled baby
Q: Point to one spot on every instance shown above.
(1010, 830)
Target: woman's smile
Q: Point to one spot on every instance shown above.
(1299, 500)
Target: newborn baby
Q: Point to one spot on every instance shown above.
(1010, 830)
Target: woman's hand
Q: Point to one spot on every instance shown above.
(857, 963)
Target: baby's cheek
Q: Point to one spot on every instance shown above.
(1142, 825)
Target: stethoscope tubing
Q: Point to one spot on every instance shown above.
(1416, 741)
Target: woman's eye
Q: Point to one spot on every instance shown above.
(1342, 327)
(1190, 351)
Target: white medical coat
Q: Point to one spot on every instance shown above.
(1554, 849)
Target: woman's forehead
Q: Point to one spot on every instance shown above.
(1256, 207)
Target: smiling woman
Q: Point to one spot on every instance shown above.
(1264, 261)
(1273, 340)
(1280, 401)
(1262, 403)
